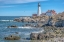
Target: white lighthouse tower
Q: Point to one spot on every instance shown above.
(39, 9)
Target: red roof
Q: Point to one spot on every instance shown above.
(34, 15)
(51, 11)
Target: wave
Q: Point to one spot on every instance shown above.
(26, 27)
(6, 20)
(40, 31)
(22, 27)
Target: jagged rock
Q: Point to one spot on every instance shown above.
(57, 21)
(60, 23)
(12, 37)
(38, 36)
(41, 36)
(17, 19)
(34, 36)
(13, 26)
(32, 19)
(51, 36)
(46, 20)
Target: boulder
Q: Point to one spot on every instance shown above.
(34, 36)
(51, 36)
(41, 36)
(12, 37)
(17, 19)
(38, 36)
(13, 26)
(59, 23)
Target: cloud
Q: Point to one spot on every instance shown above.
(5, 6)
(18, 1)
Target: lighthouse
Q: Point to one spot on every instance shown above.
(39, 9)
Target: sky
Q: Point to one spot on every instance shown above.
(29, 7)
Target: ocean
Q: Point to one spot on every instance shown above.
(22, 32)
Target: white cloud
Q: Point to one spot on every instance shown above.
(18, 1)
(5, 6)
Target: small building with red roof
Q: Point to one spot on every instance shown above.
(50, 12)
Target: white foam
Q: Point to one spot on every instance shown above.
(6, 20)
(38, 31)
(22, 27)
(26, 27)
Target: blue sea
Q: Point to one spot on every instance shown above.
(22, 32)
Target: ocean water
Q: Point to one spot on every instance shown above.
(22, 32)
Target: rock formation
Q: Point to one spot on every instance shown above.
(13, 26)
(12, 37)
(33, 36)
(54, 20)
(49, 33)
